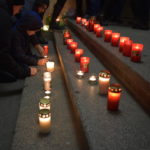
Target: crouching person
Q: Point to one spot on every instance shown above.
(27, 26)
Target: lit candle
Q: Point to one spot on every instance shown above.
(83, 21)
(47, 84)
(104, 81)
(96, 26)
(78, 54)
(92, 79)
(68, 41)
(45, 50)
(44, 120)
(84, 64)
(121, 43)
(47, 93)
(115, 39)
(73, 46)
(87, 25)
(114, 94)
(80, 74)
(107, 35)
(78, 20)
(127, 48)
(136, 52)
(47, 75)
(44, 103)
(66, 34)
(46, 27)
(92, 21)
(50, 66)
(99, 31)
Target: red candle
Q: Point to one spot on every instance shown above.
(136, 52)
(67, 35)
(83, 21)
(99, 31)
(45, 50)
(91, 25)
(73, 46)
(114, 94)
(78, 54)
(87, 25)
(127, 47)
(96, 26)
(121, 43)
(107, 34)
(78, 20)
(84, 64)
(68, 41)
(115, 39)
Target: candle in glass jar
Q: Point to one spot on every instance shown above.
(93, 79)
(87, 25)
(115, 39)
(80, 74)
(44, 121)
(44, 104)
(114, 94)
(78, 20)
(47, 75)
(46, 27)
(107, 35)
(50, 66)
(127, 48)
(78, 54)
(136, 52)
(73, 46)
(47, 84)
(121, 43)
(104, 81)
(83, 21)
(69, 41)
(99, 31)
(96, 27)
(84, 64)
(45, 50)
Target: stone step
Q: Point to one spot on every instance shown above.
(134, 76)
(122, 130)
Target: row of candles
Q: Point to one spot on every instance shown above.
(113, 90)
(44, 103)
(126, 45)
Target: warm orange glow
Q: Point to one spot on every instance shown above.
(115, 39)
(84, 64)
(78, 20)
(107, 34)
(78, 54)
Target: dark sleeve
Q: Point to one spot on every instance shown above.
(19, 52)
(34, 39)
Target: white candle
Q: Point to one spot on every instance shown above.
(44, 103)
(47, 93)
(47, 75)
(50, 66)
(47, 84)
(46, 27)
(80, 74)
(104, 81)
(92, 79)
(44, 120)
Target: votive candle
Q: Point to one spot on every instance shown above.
(73, 46)
(121, 43)
(78, 54)
(78, 20)
(115, 39)
(50, 66)
(127, 48)
(107, 35)
(99, 31)
(84, 64)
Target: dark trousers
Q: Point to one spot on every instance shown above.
(79, 4)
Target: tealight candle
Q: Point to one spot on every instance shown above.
(99, 31)
(121, 43)
(136, 52)
(92, 79)
(115, 39)
(50, 66)
(78, 54)
(84, 64)
(44, 103)
(44, 121)
(47, 93)
(107, 35)
(78, 20)
(114, 94)
(73, 46)
(127, 48)
(80, 74)
(104, 80)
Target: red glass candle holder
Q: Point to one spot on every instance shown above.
(78, 20)
(78, 54)
(99, 31)
(84, 64)
(136, 52)
(87, 25)
(114, 94)
(127, 47)
(45, 50)
(96, 26)
(121, 43)
(73, 46)
(107, 35)
(83, 21)
(115, 39)
(68, 41)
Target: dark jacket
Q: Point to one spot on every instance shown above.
(7, 62)
(21, 40)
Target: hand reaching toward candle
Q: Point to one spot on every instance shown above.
(33, 71)
(42, 62)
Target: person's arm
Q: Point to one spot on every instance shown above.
(40, 49)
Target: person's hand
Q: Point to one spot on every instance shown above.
(42, 62)
(33, 71)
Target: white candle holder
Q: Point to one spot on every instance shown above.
(45, 28)
(92, 79)
(79, 74)
(50, 66)
(44, 121)
(44, 103)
